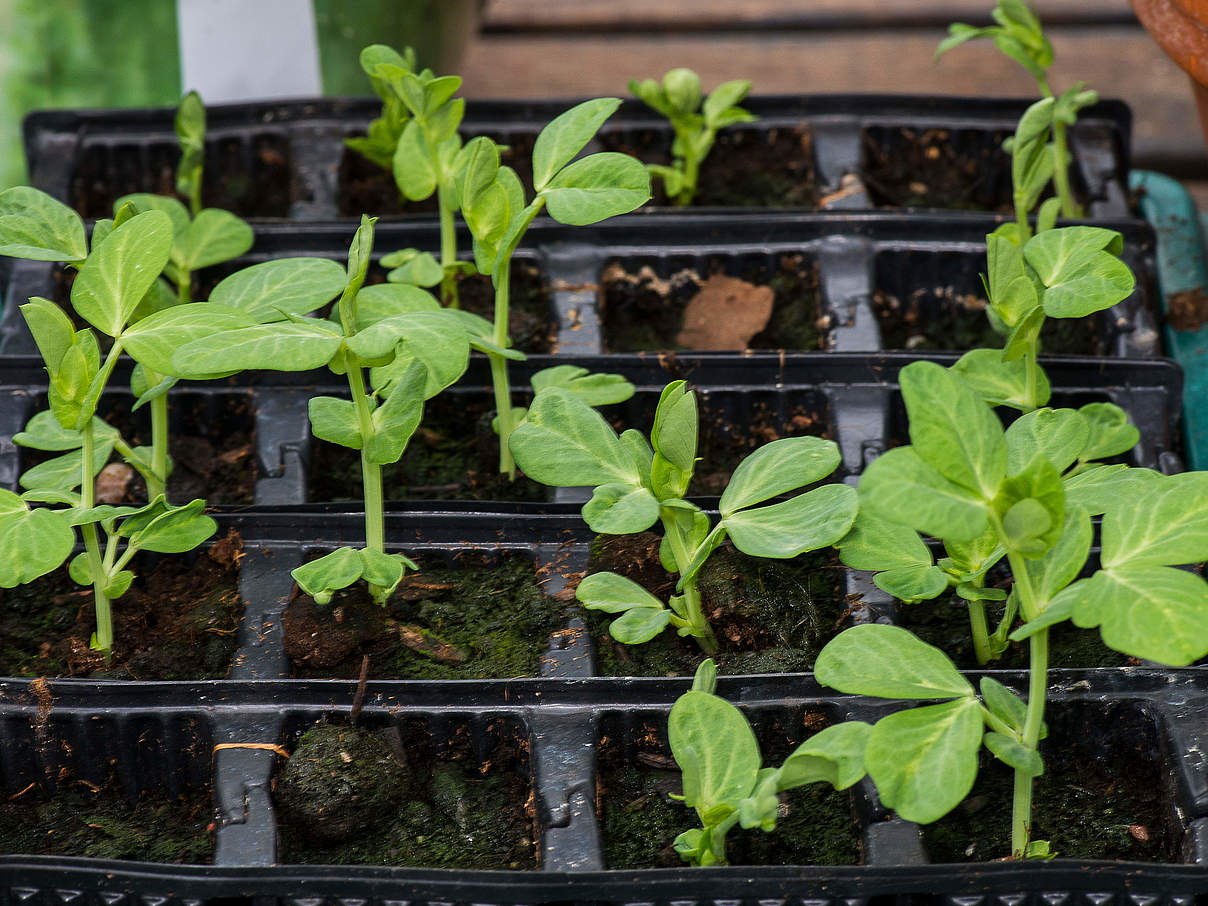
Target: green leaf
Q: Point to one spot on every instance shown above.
(675, 426)
(1102, 488)
(118, 584)
(899, 487)
(912, 583)
(1003, 703)
(63, 472)
(1023, 339)
(594, 389)
(1167, 526)
(214, 236)
(147, 385)
(997, 382)
(1061, 565)
(154, 340)
(1058, 435)
(385, 300)
(383, 570)
(566, 135)
(51, 329)
(597, 187)
(323, 577)
(725, 757)
(566, 443)
(804, 523)
(335, 420)
(396, 420)
(117, 274)
(1109, 431)
(1158, 613)
(80, 569)
(421, 269)
(959, 33)
(777, 468)
(413, 172)
(1014, 754)
(175, 531)
(834, 755)
(952, 430)
(297, 285)
(888, 662)
(35, 226)
(145, 201)
(722, 98)
(621, 509)
(924, 760)
(1032, 507)
(1079, 276)
(877, 544)
(43, 432)
(639, 625)
(284, 346)
(613, 593)
(32, 542)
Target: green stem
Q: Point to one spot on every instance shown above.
(371, 472)
(104, 619)
(499, 368)
(701, 630)
(158, 479)
(981, 632)
(185, 287)
(126, 452)
(448, 251)
(1061, 174)
(1032, 374)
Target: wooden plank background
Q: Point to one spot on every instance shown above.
(569, 48)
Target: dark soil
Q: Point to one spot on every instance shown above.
(1188, 310)
(640, 821)
(100, 823)
(482, 617)
(944, 623)
(365, 188)
(388, 804)
(936, 168)
(747, 167)
(454, 454)
(178, 621)
(1096, 800)
(248, 176)
(642, 311)
(769, 616)
(530, 324)
(942, 318)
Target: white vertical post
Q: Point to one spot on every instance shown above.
(242, 50)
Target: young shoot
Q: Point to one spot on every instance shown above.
(723, 774)
(696, 124)
(564, 442)
(966, 481)
(1019, 35)
(574, 192)
(416, 139)
(113, 279)
(419, 348)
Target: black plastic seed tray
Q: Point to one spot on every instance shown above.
(274, 160)
(558, 738)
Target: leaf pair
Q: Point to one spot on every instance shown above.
(343, 567)
(1017, 34)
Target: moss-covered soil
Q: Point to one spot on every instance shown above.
(374, 801)
(482, 617)
(769, 616)
(80, 820)
(178, 621)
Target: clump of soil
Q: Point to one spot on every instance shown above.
(453, 454)
(944, 623)
(942, 317)
(1090, 803)
(373, 801)
(640, 821)
(769, 616)
(936, 168)
(1188, 310)
(100, 823)
(178, 621)
(479, 618)
(642, 311)
(771, 168)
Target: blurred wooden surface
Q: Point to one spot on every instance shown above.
(569, 48)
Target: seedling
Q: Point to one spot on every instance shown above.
(416, 138)
(417, 348)
(966, 481)
(723, 774)
(564, 442)
(696, 124)
(113, 278)
(576, 192)
(1019, 35)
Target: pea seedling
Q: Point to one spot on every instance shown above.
(965, 480)
(1019, 35)
(113, 279)
(375, 327)
(696, 124)
(723, 774)
(564, 442)
(575, 192)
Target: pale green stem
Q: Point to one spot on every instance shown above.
(157, 481)
(981, 632)
(701, 630)
(1061, 174)
(499, 368)
(185, 287)
(1031, 375)
(104, 619)
(448, 251)
(140, 465)
(371, 472)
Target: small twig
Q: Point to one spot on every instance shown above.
(358, 700)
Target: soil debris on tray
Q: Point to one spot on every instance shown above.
(769, 616)
(101, 823)
(179, 620)
(478, 618)
(355, 796)
(1188, 310)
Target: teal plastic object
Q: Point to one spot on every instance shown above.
(1169, 208)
